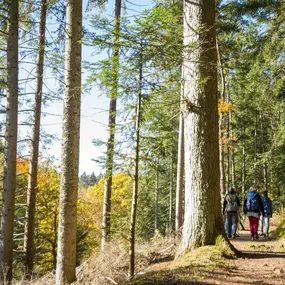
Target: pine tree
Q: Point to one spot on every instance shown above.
(32, 183)
(202, 219)
(136, 170)
(9, 182)
(66, 252)
(112, 127)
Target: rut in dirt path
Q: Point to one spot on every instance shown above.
(260, 262)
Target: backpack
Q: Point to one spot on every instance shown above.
(252, 203)
(232, 203)
(267, 209)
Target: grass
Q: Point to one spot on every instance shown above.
(279, 232)
(188, 269)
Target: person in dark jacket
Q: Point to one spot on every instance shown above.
(267, 213)
(231, 205)
(253, 208)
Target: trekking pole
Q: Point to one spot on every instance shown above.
(241, 221)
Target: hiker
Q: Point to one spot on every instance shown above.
(267, 213)
(253, 208)
(239, 216)
(231, 205)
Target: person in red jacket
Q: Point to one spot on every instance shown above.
(253, 208)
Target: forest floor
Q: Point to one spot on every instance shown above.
(260, 262)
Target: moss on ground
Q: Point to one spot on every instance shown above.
(280, 230)
(187, 269)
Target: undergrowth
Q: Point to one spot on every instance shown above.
(187, 269)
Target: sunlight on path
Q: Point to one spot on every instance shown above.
(262, 262)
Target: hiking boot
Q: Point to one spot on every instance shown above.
(261, 234)
(266, 235)
(256, 235)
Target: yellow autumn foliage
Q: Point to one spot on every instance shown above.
(90, 206)
(22, 165)
(224, 107)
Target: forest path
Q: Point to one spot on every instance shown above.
(261, 262)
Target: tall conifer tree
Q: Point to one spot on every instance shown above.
(66, 253)
(112, 128)
(9, 182)
(33, 172)
(202, 219)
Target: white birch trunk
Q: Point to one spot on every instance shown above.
(66, 252)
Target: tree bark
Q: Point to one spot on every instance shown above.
(180, 176)
(233, 149)
(170, 227)
(228, 143)
(112, 128)
(221, 158)
(202, 219)
(33, 172)
(136, 176)
(221, 148)
(243, 164)
(10, 153)
(66, 254)
(156, 199)
(265, 165)
(265, 173)
(255, 153)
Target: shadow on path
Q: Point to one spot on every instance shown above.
(262, 254)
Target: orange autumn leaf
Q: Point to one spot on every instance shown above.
(224, 107)
(22, 165)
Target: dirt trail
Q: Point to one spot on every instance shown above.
(262, 262)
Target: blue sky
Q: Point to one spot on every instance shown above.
(94, 110)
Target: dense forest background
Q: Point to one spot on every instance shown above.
(139, 71)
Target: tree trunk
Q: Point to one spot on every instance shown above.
(221, 158)
(228, 168)
(255, 153)
(33, 172)
(156, 199)
(228, 143)
(265, 173)
(233, 166)
(180, 175)
(233, 149)
(10, 153)
(221, 148)
(243, 164)
(66, 254)
(54, 240)
(170, 228)
(202, 219)
(265, 165)
(112, 128)
(136, 176)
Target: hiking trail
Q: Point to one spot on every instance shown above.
(261, 262)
